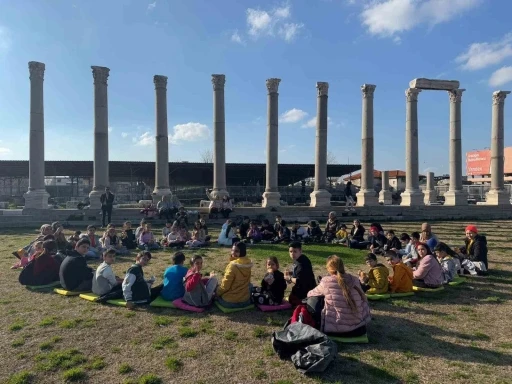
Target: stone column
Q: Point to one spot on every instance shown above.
(272, 197)
(412, 194)
(36, 196)
(498, 195)
(385, 195)
(430, 195)
(101, 179)
(219, 138)
(162, 140)
(455, 194)
(320, 197)
(366, 195)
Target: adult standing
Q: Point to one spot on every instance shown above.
(349, 197)
(107, 202)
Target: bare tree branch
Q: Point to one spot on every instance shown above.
(331, 158)
(206, 156)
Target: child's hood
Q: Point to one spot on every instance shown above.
(243, 264)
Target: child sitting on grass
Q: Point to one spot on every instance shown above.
(136, 289)
(74, 274)
(376, 281)
(36, 250)
(104, 281)
(147, 239)
(174, 239)
(401, 281)
(393, 242)
(409, 254)
(272, 287)
(199, 290)
(111, 240)
(198, 236)
(128, 237)
(166, 230)
(284, 233)
(173, 278)
(341, 235)
(314, 232)
(449, 261)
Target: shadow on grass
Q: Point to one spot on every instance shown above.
(424, 340)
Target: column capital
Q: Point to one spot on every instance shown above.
(498, 97)
(160, 81)
(100, 74)
(272, 85)
(411, 94)
(323, 88)
(455, 95)
(36, 70)
(218, 82)
(368, 90)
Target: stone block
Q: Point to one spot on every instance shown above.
(271, 199)
(36, 199)
(496, 197)
(455, 198)
(366, 199)
(438, 85)
(429, 197)
(320, 198)
(385, 197)
(412, 198)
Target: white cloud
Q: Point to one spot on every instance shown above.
(145, 139)
(289, 31)
(236, 38)
(4, 151)
(189, 132)
(5, 40)
(292, 116)
(481, 55)
(501, 76)
(387, 18)
(270, 23)
(110, 129)
(151, 6)
(311, 123)
(124, 135)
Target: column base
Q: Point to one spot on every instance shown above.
(271, 199)
(367, 198)
(94, 199)
(320, 198)
(218, 193)
(412, 198)
(429, 197)
(452, 198)
(497, 197)
(159, 192)
(36, 199)
(385, 197)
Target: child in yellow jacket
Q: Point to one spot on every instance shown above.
(341, 235)
(401, 281)
(376, 281)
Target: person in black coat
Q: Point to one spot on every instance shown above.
(393, 242)
(357, 240)
(302, 275)
(475, 249)
(107, 203)
(377, 241)
(74, 274)
(273, 285)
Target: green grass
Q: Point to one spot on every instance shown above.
(259, 332)
(187, 332)
(19, 324)
(173, 364)
(57, 360)
(22, 377)
(125, 368)
(150, 379)
(230, 335)
(97, 363)
(164, 342)
(163, 320)
(70, 324)
(18, 342)
(74, 374)
(47, 321)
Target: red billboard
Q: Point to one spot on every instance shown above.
(478, 163)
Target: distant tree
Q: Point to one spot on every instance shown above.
(206, 156)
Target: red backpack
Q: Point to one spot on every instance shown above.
(302, 315)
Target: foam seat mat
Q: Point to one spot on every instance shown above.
(121, 302)
(180, 304)
(351, 340)
(271, 308)
(231, 310)
(63, 292)
(402, 294)
(160, 302)
(456, 281)
(378, 296)
(88, 296)
(420, 289)
(45, 286)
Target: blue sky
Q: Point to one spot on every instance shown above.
(344, 42)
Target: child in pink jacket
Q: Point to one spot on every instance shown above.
(346, 311)
(429, 273)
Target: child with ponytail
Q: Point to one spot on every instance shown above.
(346, 311)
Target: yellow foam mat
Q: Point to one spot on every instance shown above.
(420, 289)
(88, 296)
(63, 292)
(379, 296)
